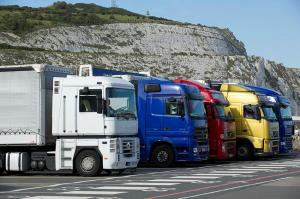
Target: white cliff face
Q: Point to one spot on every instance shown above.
(185, 51)
(122, 38)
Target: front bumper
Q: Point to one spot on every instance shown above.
(227, 150)
(270, 147)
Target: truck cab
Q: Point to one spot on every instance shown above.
(256, 123)
(221, 124)
(283, 113)
(172, 122)
(97, 113)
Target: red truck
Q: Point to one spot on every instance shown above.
(221, 125)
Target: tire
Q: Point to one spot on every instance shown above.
(2, 165)
(244, 151)
(88, 163)
(162, 156)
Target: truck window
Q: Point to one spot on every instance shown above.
(251, 112)
(121, 103)
(88, 100)
(173, 107)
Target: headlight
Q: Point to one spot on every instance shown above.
(195, 150)
(112, 145)
(222, 136)
(270, 146)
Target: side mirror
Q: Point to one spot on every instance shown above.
(99, 105)
(257, 115)
(85, 90)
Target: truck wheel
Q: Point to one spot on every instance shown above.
(88, 163)
(2, 166)
(163, 156)
(244, 151)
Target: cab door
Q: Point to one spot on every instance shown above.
(90, 120)
(252, 124)
(174, 123)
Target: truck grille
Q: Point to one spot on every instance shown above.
(201, 135)
(289, 130)
(275, 134)
(289, 143)
(128, 148)
(275, 146)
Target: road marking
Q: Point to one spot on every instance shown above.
(289, 164)
(231, 188)
(93, 192)
(197, 177)
(150, 184)
(222, 185)
(259, 167)
(235, 172)
(56, 197)
(123, 188)
(245, 169)
(218, 174)
(270, 165)
(286, 165)
(83, 181)
(176, 180)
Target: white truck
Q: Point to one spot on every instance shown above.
(52, 120)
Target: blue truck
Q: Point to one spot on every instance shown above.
(284, 117)
(172, 123)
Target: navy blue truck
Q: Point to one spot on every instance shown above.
(284, 117)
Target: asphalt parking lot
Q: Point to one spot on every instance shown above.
(277, 177)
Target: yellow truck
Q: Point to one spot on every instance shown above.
(256, 125)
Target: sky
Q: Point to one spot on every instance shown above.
(268, 28)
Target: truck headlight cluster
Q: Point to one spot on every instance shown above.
(195, 150)
(112, 145)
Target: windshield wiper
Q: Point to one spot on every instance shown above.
(126, 115)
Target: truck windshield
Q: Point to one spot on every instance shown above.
(286, 113)
(121, 103)
(221, 111)
(196, 108)
(269, 113)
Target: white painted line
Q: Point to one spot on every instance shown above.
(232, 188)
(93, 192)
(175, 180)
(150, 184)
(84, 181)
(235, 172)
(197, 177)
(58, 197)
(245, 169)
(123, 188)
(218, 174)
(296, 163)
(286, 165)
(264, 167)
(270, 165)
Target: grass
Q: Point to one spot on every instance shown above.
(21, 20)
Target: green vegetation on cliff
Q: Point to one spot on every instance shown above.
(25, 19)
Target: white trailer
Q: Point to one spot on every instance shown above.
(50, 120)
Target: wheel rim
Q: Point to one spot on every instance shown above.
(162, 156)
(88, 163)
(242, 152)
